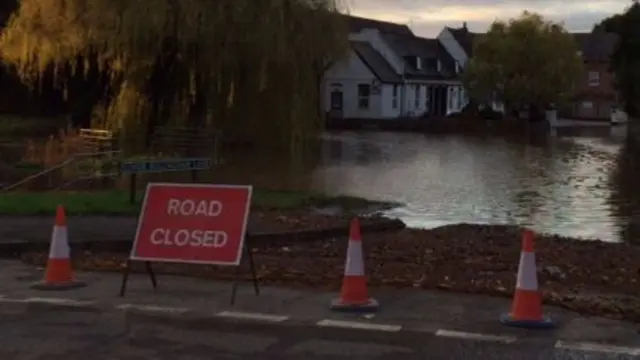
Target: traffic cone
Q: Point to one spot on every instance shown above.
(59, 275)
(526, 310)
(354, 296)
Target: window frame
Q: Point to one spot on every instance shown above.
(593, 78)
(395, 92)
(364, 96)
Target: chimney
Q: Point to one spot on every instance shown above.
(464, 25)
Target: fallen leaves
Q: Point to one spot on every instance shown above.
(588, 277)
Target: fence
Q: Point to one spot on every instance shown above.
(76, 156)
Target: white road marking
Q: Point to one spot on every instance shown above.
(602, 348)
(152, 308)
(252, 316)
(358, 325)
(50, 301)
(476, 336)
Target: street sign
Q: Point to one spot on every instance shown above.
(165, 165)
(192, 223)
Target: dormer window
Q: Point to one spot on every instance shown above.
(431, 64)
(414, 61)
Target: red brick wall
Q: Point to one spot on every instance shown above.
(594, 99)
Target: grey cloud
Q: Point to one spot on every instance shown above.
(436, 5)
(579, 21)
(575, 20)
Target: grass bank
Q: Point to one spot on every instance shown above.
(117, 202)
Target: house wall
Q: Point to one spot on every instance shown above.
(372, 36)
(345, 76)
(391, 109)
(415, 101)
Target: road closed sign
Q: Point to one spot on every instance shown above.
(192, 223)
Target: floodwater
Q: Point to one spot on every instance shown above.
(562, 185)
(579, 184)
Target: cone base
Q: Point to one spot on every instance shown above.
(544, 323)
(371, 305)
(67, 285)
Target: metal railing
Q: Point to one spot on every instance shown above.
(73, 159)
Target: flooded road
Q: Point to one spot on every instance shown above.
(562, 185)
(581, 184)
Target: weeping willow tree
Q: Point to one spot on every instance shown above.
(250, 68)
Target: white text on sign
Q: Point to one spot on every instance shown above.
(190, 207)
(191, 237)
(184, 237)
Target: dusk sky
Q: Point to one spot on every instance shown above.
(427, 17)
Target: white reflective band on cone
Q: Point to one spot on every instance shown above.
(59, 245)
(527, 272)
(354, 266)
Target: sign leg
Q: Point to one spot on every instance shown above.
(234, 288)
(152, 275)
(125, 277)
(254, 274)
(248, 254)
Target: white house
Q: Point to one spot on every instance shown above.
(390, 73)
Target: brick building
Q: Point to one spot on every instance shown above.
(595, 95)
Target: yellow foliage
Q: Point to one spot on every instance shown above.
(526, 60)
(253, 63)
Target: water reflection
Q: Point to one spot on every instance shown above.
(624, 194)
(558, 185)
(577, 183)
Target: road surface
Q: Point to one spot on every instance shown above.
(67, 334)
(193, 319)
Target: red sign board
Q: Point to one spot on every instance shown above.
(192, 223)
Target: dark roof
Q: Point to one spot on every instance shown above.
(464, 37)
(413, 46)
(596, 46)
(356, 24)
(378, 65)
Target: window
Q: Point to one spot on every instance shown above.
(394, 98)
(416, 96)
(450, 98)
(426, 96)
(594, 78)
(587, 105)
(431, 64)
(364, 92)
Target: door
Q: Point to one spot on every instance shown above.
(336, 102)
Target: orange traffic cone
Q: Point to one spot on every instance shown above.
(526, 311)
(354, 295)
(59, 275)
